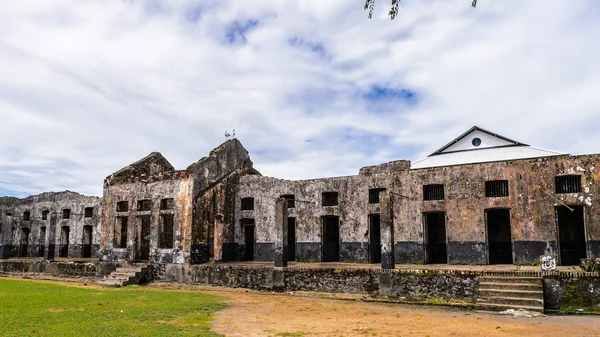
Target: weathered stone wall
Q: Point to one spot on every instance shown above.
(532, 201)
(215, 178)
(14, 224)
(62, 269)
(409, 285)
(572, 294)
(178, 188)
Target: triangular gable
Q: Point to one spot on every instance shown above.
(151, 165)
(477, 138)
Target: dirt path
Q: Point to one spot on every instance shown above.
(253, 314)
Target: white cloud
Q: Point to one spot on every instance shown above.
(89, 87)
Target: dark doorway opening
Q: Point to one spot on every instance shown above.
(435, 231)
(291, 239)
(248, 248)
(331, 238)
(87, 242)
(571, 234)
(63, 248)
(374, 238)
(499, 236)
(42, 241)
(143, 233)
(24, 242)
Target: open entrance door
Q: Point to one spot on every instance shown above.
(291, 239)
(248, 234)
(331, 238)
(143, 238)
(499, 236)
(63, 248)
(435, 233)
(374, 238)
(87, 242)
(24, 242)
(571, 235)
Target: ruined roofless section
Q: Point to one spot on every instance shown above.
(153, 212)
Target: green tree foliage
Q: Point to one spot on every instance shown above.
(370, 6)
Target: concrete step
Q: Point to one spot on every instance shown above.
(112, 283)
(511, 279)
(537, 294)
(510, 285)
(515, 301)
(128, 269)
(129, 274)
(501, 307)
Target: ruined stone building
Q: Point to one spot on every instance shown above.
(481, 199)
(50, 225)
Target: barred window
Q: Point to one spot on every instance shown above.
(122, 206)
(144, 205)
(433, 192)
(291, 200)
(330, 198)
(374, 195)
(247, 204)
(89, 212)
(496, 188)
(568, 184)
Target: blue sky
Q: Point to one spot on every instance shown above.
(313, 88)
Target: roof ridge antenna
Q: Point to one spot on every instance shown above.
(476, 128)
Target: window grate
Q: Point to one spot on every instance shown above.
(122, 206)
(247, 204)
(433, 192)
(291, 200)
(374, 195)
(568, 184)
(496, 188)
(144, 205)
(330, 199)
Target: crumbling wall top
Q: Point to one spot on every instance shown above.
(390, 167)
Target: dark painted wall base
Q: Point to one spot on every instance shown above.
(199, 254)
(308, 252)
(264, 251)
(529, 252)
(594, 247)
(354, 252)
(467, 252)
(231, 252)
(410, 253)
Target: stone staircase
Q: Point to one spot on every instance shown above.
(499, 293)
(128, 274)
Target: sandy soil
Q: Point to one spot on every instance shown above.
(252, 313)
(255, 314)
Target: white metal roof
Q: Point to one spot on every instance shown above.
(484, 155)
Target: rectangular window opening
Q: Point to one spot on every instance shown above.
(374, 195)
(122, 206)
(247, 204)
(89, 212)
(26, 216)
(291, 200)
(166, 231)
(144, 205)
(433, 192)
(568, 184)
(167, 204)
(496, 188)
(66, 213)
(330, 198)
(45, 214)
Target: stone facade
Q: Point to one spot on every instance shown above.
(49, 225)
(221, 208)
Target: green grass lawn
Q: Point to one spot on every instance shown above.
(32, 308)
